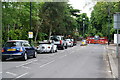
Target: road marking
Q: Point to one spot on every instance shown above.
(26, 63)
(25, 67)
(47, 63)
(22, 75)
(109, 71)
(11, 73)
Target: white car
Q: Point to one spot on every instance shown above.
(47, 47)
(59, 41)
(69, 42)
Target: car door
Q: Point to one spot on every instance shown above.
(30, 50)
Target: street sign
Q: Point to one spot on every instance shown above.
(115, 39)
(117, 20)
(30, 34)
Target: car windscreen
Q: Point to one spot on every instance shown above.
(68, 40)
(55, 38)
(12, 44)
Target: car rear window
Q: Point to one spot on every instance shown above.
(55, 38)
(12, 44)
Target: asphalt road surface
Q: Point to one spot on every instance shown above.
(74, 62)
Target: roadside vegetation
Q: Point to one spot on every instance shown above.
(53, 18)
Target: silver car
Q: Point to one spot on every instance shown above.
(47, 47)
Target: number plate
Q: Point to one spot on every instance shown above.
(11, 50)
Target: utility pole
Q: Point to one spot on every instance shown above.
(83, 27)
(117, 27)
(30, 19)
(108, 24)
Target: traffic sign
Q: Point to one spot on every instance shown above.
(30, 34)
(117, 20)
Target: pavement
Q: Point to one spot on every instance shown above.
(74, 62)
(113, 59)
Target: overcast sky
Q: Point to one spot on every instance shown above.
(84, 5)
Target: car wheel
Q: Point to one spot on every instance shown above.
(3, 59)
(24, 58)
(35, 54)
(66, 47)
(52, 50)
(63, 47)
(56, 50)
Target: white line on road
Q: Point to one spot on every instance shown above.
(47, 63)
(11, 73)
(26, 63)
(110, 71)
(25, 67)
(22, 75)
(0, 72)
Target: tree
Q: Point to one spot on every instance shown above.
(100, 17)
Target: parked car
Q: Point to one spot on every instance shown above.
(18, 49)
(74, 43)
(48, 46)
(59, 41)
(69, 42)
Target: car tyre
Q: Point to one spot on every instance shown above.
(56, 50)
(24, 58)
(52, 50)
(66, 47)
(63, 47)
(35, 54)
(3, 59)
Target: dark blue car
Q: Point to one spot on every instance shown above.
(18, 49)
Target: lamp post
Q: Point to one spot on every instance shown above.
(30, 19)
(108, 25)
(83, 27)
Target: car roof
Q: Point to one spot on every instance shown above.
(56, 36)
(17, 41)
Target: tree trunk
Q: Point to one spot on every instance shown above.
(36, 34)
(50, 32)
(8, 31)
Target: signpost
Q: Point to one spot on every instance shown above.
(30, 34)
(117, 26)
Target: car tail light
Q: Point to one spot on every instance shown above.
(3, 50)
(49, 47)
(60, 41)
(69, 42)
(21, 50)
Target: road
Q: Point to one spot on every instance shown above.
(75, 62)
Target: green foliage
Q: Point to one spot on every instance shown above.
(101, 19)
(53, 18)
(49, 18)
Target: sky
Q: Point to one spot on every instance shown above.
(86, 6)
